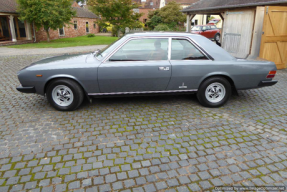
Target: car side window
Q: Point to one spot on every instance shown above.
(142, 50)
(182, 49)
(213, 27)
(204, 28)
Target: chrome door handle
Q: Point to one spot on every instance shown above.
(163, 68)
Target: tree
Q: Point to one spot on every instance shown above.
(154, 19)
(118, 13)
(170, 15)
(51, 14)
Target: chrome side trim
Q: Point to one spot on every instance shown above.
(143, 92)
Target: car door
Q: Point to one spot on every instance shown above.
(140, 65)
(189, 65)
(205, 31)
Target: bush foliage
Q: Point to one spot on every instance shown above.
(161, 27)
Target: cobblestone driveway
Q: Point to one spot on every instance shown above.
(141, 144)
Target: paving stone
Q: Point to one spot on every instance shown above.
(44, 182)
(117, 185)
(172, 182)
(194, 187)
(110, 178)
(129, 183)
(184, 179)
(150, 187)
(74, 185)
(140, 181)
(98, 180)
(204, 175)
(12, 180)
(86, 182)
(30, 185)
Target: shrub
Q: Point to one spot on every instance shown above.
(161, 27)
(91, 35)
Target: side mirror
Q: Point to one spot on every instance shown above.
(97, 51)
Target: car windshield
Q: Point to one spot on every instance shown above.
(105, 51)
(196, 28)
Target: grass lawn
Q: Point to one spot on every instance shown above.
(70, 42)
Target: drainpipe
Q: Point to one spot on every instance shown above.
(34, 33)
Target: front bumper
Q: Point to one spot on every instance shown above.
(267, 83)
(26, 89)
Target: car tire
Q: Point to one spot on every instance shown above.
(65, 94)
(214, 92)
(217, 37)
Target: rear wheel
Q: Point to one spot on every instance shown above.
(217, 37)
(214, 92)
(65, 94)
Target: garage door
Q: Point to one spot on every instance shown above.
(237, 32)
(274, 38)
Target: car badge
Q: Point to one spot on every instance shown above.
(183, 86)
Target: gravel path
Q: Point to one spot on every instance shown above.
(5, 51)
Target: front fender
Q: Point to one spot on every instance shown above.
(58, 76)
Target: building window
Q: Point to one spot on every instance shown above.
(87, 27)
(95, 25)
(151, 3)
(61, 31)
(75, 25)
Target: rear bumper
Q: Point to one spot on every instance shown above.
(267, 83)
(26, 89)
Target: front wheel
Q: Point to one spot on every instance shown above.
(64, 94)
(214, 92)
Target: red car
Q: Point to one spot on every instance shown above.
(209, 31)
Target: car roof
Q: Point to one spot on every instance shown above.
(203, 25)
(211, 48)
(158, 33)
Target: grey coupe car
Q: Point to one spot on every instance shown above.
(146, 63)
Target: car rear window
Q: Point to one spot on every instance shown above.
(182, 49)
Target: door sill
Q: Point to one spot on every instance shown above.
(143, 92)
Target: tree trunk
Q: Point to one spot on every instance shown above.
(48, 35)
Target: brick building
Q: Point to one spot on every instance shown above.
(82, 24)
(16, 31)
(145, 7)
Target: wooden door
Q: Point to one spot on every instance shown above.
(237, 32)
(274, 38)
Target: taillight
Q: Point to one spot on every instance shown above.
(271, 74)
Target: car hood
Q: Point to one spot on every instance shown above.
(64, 62)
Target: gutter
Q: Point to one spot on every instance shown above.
(232, 6)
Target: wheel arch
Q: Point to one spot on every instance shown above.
(224, 75)
(53, 78)
(218, 33)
